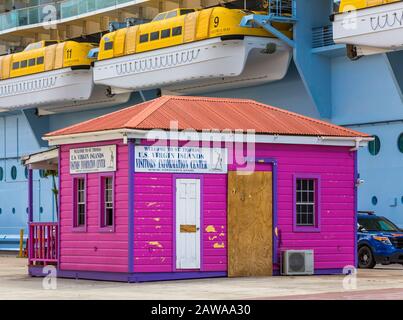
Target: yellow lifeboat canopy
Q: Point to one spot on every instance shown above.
(47, 73)
(348, 5)
(189, 50)
(369, 26)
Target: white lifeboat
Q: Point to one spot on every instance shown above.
(372, 29)
(240, 57)
(259, 65)
(208, 65)
(57, 91)
(51, 76)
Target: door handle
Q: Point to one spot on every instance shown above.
(188, 228)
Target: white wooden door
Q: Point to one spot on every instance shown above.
(187, 224)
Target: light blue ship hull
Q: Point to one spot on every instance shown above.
(365, 95)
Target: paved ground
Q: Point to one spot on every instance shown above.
(380, 283)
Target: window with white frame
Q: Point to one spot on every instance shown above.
(107, 212)
(80, 202)
(306, 202)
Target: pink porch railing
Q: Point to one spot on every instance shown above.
(43, 243)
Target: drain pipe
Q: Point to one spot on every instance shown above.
(358, 141)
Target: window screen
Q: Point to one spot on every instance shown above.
(305, 206)
(171, 14)
(154, 36)
(177, 31)
(80, 202)
(107, 202)
(144, 38)
(165, 33)
(108, 45)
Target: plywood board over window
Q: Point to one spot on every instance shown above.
(250, 224)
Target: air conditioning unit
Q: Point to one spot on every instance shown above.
(297, 262)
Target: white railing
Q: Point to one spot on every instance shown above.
(58, 10)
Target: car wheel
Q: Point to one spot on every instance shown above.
(366, 259)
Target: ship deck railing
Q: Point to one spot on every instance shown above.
(59, 10)
(281, 8)
(322, 36)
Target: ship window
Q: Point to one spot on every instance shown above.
(165, 33)
(1, 173)
(155, 36)
(108, 45)
(374, 146)
(160, 17)
(24, 64)
(186, 11)
(13, 172)
(42, 173)
(31, 62)
(40, 60)
(144, 38)
(33, 46)
(52, 42)
(400, 143)
(16, 65)
(171, 14)
(177, 31)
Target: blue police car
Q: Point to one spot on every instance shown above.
(379, 241)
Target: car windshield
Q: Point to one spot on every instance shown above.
(377, 224)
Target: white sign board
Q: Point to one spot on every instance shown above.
(181, 159)
(93, 159)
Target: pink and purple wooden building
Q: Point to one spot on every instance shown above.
(144, 198)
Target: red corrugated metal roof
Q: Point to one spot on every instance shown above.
(202, 113)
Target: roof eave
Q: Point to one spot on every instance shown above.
(126, 134)
(47, 159)
(98, 136)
